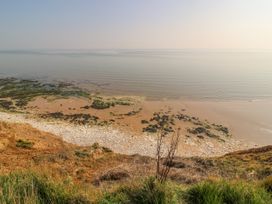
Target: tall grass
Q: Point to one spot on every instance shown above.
(28, 188)
(152, 192)
(149, 192)
(226, 193)
(267, 184)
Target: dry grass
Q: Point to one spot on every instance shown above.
(87, 164)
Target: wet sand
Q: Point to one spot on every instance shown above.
(248, 120)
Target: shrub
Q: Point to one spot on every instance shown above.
(99, 104)
(222, 192)
(24, 144)
(151, 128)
(144, 122)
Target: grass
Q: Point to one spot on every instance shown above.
(148, 192)
(219, 192)
(267, 184)
(28, 188)
(225, 192)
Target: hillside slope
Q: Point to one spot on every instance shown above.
(24, 147)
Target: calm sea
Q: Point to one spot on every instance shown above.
(202, 74)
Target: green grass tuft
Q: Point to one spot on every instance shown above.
(223, 192)
(28, 188)
(148, 192)
(267, 184)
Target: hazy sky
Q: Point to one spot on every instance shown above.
(91, 24)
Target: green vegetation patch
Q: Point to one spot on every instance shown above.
(31, 188)
(223, 192)
(27, 188)
(160, 122)
(203, 131)
(220, 192)
(22, 91)
(78, 118)
(6, 104)
(203, 128)
(221, 128)
(24, 144)
(99, 104)
(148, 192)
(130, 113)
(104, 103)
(267, 184)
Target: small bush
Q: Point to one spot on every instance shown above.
(144, 122)
(151, 128)
(99, 104)
(222, 192)
(24, 144)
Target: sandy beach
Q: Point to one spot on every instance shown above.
(248, 120)
(124, 142)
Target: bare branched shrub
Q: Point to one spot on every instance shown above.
(164, 123)
(170, 156)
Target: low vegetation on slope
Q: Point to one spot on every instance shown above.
(85, 172)
(31, 188)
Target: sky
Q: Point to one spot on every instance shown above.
(136, 24)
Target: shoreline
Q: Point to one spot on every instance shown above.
(126, 123)
(124, 142)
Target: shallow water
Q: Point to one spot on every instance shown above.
(199, 74)
(202, 75)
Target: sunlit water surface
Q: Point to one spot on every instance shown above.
(200, 74)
